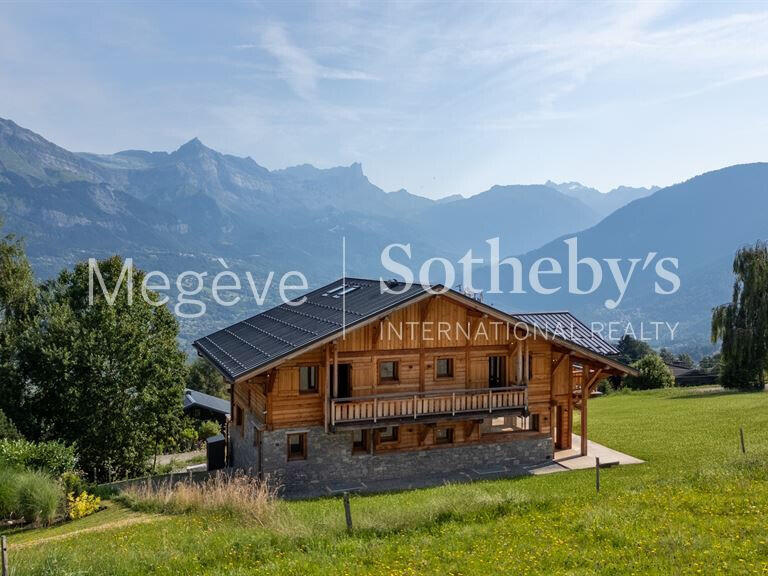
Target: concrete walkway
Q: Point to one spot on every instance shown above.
(564, 461)
(573, 460)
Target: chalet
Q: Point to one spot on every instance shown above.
(353, 383)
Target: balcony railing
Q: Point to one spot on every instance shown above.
(384, 408)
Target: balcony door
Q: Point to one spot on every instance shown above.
(497, 371)
(344, 388)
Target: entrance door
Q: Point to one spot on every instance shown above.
(497, 371)
(344, 388)
(562, 427)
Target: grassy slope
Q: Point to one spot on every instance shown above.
(696, 507)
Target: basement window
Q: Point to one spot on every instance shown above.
(360, 441)
(297, 446)
(388, 434)
(308, 378)
(443, 435)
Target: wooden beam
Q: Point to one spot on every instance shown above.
(593, 379)
(526, 363)
(584, 397)
(327, 389)
(519, 379)
(556, 365)
(335, 369)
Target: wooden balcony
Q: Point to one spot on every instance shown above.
(429, 406)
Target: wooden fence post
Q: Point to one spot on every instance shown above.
(741, 434)
(5, 555)
(347, 512)
(597, 473)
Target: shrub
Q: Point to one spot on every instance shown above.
(8, 430)
(207, 429)
(653, 373)
(236, 495)
(83, 505)
(53, 457)
(73, 483)
(32, 495)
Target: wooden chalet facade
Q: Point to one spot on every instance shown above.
(357, 384)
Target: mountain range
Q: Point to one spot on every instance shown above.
(186, 209)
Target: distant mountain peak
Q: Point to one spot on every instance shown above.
(193, 147)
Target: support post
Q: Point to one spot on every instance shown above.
(327, 390)
(741, 434)
(584, 398)
(335, 370)
(519, 364)
(5, 555)
(597, 474)
(347, 512)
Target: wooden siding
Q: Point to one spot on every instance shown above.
(415, 336)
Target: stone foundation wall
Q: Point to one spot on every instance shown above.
(330, 459)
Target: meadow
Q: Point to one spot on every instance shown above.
(697, 506)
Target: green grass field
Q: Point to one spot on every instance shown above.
(698, 506)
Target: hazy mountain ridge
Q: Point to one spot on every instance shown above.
(602, 203)
(182, 210)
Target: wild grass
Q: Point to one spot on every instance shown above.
(30, 495)
(697, 506)
(233, 495)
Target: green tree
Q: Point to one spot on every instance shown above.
(710, 364)
(203, 377)
(18, 292)
(742, 324)
(684, 360)
(8, 430)
(107, 376)
(653, 373)
(631, 349)
(667, 356)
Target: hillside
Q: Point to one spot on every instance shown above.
(701, 222)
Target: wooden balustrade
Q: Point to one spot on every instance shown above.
(415, 405)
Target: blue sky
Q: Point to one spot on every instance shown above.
(436, 98)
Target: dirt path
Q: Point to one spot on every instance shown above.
(122, 523)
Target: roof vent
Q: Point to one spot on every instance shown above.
(391, 283)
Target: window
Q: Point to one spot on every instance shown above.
(530, 366)
(297, 446)
(388, 434)
(341, 290)
(444, 367)
(360, 441)
(308, 377)
(443, 435)
(497, 371)
(534, 423)
(388, 370)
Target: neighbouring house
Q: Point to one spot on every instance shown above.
(685, 376)
(206, 407)
(362, 380)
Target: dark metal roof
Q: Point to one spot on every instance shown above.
(566, 326)
(194, 398)
(250, 344)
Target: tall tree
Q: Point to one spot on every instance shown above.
(631, 349)
(18, 292)
(742, 324)
(203, 377)
(107, 376)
